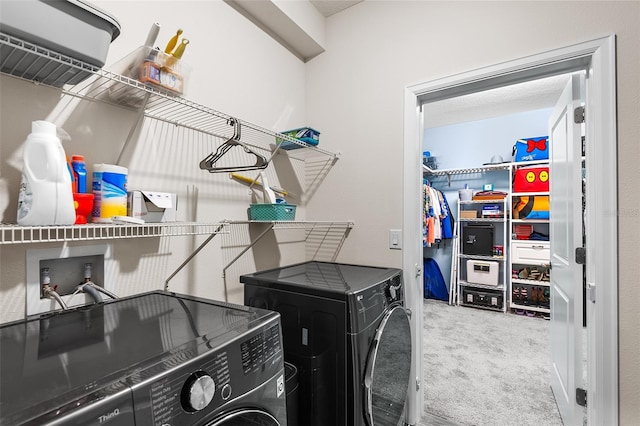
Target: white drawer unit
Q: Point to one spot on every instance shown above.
(530, 252)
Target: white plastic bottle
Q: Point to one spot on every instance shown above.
(46, 196)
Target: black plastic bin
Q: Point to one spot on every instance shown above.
(291, 388)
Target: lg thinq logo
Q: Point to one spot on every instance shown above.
(106, 417)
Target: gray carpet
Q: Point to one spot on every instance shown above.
(486, 368)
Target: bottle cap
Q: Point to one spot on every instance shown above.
(43, 127)
(77, 158)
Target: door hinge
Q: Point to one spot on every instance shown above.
(591, 292)
(578, 115)
(581, 256)
(581, 397)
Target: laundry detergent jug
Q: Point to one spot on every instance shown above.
(45, 196)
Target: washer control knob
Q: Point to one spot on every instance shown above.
(198, 391)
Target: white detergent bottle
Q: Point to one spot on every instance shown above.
(46, 196)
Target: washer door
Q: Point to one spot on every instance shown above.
(388, 369)
(246, 417)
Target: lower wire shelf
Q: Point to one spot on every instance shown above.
(17, 234)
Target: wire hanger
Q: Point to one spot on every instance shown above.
(208, 162)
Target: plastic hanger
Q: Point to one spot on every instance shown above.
(209, 161)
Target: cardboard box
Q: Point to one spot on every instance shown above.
(468, 214)
(152, 206)
(492, 210)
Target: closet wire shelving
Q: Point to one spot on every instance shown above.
(30, 62)
(456, 283)
(452, 172)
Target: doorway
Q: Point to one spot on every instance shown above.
(597, 58)
(496, 364)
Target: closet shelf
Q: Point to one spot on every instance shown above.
(529, 308)
(112, 88)
(16, 234)
(483, 169)
(476, 285)
(480, 220)
(480, 257)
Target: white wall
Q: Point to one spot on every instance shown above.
(236, 69)
(355, 96)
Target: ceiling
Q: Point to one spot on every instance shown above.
(331, 7)
(528, 96)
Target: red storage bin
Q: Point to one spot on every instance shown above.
(531, 179)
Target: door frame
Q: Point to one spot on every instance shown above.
(597, 57)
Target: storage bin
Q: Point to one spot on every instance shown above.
(531, 207)
(73, 28)
(305, 134)
(531, 179)
(531, 149)
(271, 212)
(482, 272)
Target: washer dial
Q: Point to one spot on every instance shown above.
(198, 391)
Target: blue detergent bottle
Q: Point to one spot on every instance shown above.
(79, 173)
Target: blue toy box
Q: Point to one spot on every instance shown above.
(531, 149)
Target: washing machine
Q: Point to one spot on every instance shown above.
(346, 330)
(155, 359)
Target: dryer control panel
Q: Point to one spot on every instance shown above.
(369, 304)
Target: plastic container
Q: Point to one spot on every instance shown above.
(74, 28)
(79, 174)
(153, 67)
(305, 134)
(465, 194)
(291, 389)
(45, 196)
(109, 192)
(272, 212)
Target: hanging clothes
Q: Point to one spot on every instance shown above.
(438, 221)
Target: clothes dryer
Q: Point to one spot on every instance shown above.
(346, 329)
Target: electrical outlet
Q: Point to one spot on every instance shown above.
(395, 239)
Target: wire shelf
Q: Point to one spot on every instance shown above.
(448, 172)
(16, 234)
(295, 224)
(42, 66)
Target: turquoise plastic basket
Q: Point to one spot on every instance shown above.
(271, 212)
(309, 136)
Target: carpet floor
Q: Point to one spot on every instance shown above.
(485, 368)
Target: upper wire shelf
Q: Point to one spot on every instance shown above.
(42, 66)
(448, 172)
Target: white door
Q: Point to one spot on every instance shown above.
(566, 235)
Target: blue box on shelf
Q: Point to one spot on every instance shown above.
(531, 149)
(270, 212)
(305, 134)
